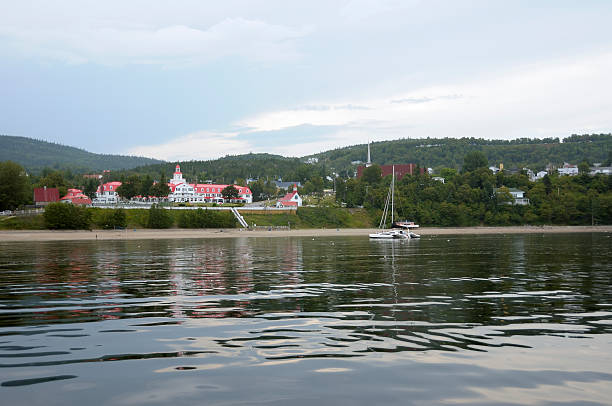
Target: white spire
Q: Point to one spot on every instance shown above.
(369, 163)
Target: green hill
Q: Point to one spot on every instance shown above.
(232, 167)
(449, 152)
(35, 155)
(428, 152)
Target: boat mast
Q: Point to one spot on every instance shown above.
(392, 192)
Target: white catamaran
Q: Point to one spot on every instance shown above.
(400, 229)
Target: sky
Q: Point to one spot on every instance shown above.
(198, 80)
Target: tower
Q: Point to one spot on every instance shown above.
(369, 162)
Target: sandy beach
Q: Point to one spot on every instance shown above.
(137, 234)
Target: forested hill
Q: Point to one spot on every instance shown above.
(35, 155)
(449, 152)
(234, 167)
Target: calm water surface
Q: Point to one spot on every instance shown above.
(507, 319)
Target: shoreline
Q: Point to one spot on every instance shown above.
(146, 234)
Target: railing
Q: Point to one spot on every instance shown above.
(270, 228)
(21, 213)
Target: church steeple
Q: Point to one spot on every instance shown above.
(369, 163)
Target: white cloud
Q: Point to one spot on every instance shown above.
(551, 99)
(202, 145)
(546, 100)
(131, 41)
(358, 10)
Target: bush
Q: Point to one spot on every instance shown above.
(110, 219)
(206, 219)
(159, 218)
(66, 216)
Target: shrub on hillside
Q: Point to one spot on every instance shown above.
(66, 216)
(159, 218)
(324, 216)
(206, 219)
(110, 218)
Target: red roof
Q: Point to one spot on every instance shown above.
(46, 194)
(76, 196)
(212, 188)
(80, 200)
(107, 187)
(287, 197)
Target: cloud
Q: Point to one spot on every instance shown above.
(416, 100)
(112, 43)
(538, 100)
(358, 10)
(201, 145)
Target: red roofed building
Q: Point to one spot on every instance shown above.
(107, 193)
(76, 196)
(45, 195)
(291, 199)
(181, 191)
(400, 170)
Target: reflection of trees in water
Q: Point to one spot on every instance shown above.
(451, 279)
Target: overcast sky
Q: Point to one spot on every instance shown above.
(182, 80)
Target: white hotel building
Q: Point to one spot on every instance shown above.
(181, 191)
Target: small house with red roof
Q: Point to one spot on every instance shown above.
(45, 195)
(291, 199)
(76, 196)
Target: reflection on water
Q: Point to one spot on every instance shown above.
(334, 320)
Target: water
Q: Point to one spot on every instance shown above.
(508, 319)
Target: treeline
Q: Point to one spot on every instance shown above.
(239, 169)
(17, 186)
(469, 198)
(36, 155)
(535, 154)
(63, 216)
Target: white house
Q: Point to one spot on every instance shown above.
(568, 169)
(518, 196)
(107, 193)
(597, 168)
(291, 199)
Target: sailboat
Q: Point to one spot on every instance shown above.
(400, 229)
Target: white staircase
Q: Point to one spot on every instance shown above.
(239, 217)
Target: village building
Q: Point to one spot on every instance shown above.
(291, 199)
(385, 170)
(598, 169)
(76, 196)
(44, 195)
(107, 193)
(181, 191)
(400, 170)
(568, 169)
(286, 185)
(518, 196)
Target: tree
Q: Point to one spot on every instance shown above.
(159, 189)
(229, 192)
(14, 186)
(66, 216)
(371, 174)
(159, 218)
(90, 187)
(584, 168)
(474, 160)
(54, 179)
(127, 190)
(144, 189)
